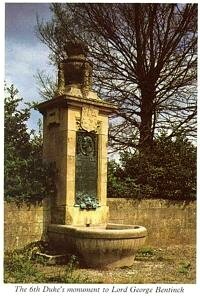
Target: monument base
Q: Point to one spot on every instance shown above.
(75, 216)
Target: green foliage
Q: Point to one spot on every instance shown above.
(184, 267)
(166, 170)
(87, 201)
(120, 184)
(69, 276)
(27, 177)
(18, 268)
(146, 251)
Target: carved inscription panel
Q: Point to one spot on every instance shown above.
(86, 165)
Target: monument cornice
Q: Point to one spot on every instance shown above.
(75, 101)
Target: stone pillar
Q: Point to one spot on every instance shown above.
(75, 138)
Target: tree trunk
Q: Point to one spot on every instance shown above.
(146, 133)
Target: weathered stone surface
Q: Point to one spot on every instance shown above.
(167, 222)
(24, 224)
(107, 246)
(64, 118)
(162, 231)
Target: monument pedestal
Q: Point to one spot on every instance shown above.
(75, 138)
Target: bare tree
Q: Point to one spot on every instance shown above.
(145, 61)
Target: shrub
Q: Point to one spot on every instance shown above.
(27, 177)
(21, 266)
(167, 170)
(18, 268)
(184, 267)
(69, 276)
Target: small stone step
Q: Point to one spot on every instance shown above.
(52, 259)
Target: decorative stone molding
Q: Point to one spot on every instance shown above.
(77, 70)
(78, 123)
(61, 80)
(89, 118)
(87, 79)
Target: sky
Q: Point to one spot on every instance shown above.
(25, 54)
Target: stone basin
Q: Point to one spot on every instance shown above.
(110, 246)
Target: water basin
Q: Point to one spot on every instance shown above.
(109, 246)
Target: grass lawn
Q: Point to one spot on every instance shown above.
(175, 265)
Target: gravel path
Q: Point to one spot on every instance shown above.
(167, 265)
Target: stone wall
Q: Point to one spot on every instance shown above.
(23, 225)
(168, 223)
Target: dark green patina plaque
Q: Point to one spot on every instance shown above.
(86, 169)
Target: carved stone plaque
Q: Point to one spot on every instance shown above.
(86, 165)
(89, 118)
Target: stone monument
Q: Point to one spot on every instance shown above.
(75, 138)
(75, 134)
